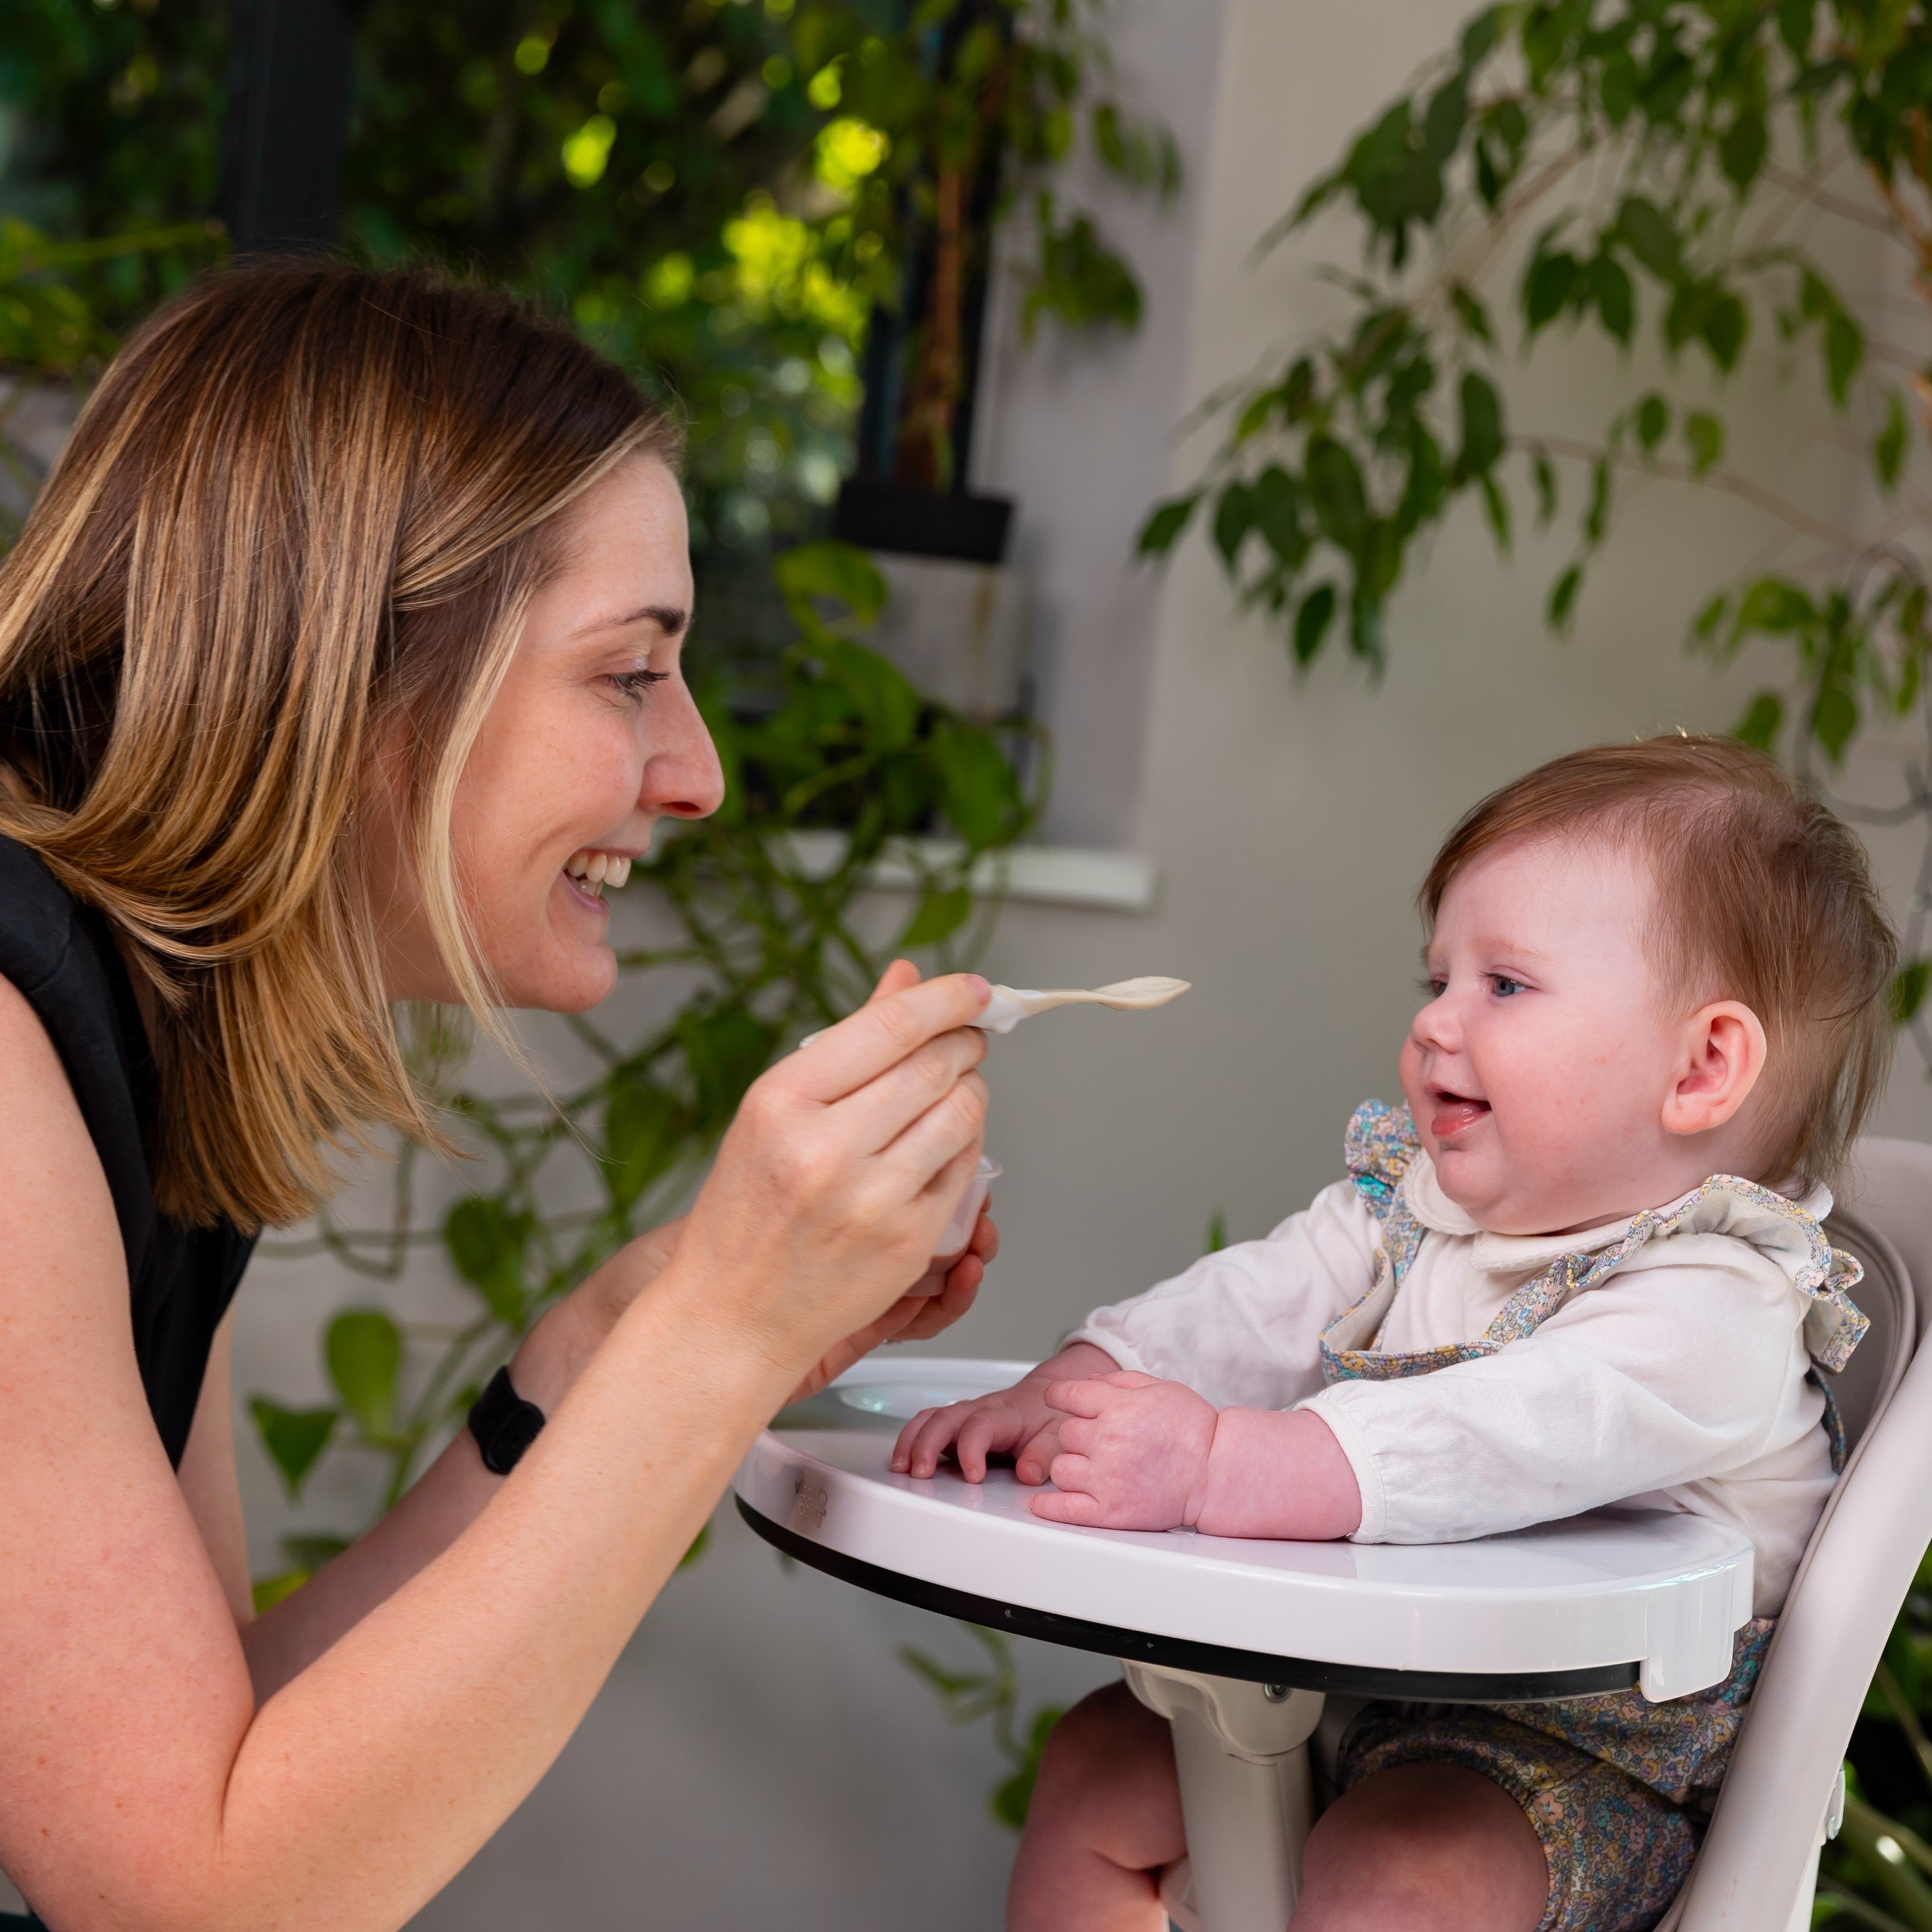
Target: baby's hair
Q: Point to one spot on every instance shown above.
(1763, 896)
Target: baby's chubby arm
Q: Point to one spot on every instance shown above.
(1016, 1421)
(1136, 1452)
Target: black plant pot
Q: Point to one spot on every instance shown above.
(922, 523)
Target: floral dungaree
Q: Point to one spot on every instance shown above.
(1617, 1788)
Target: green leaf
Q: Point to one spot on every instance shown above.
(1725, 326)
(978, 792)
(1773, 605)
(267, 1591)
(1563, 597)
(1217, 1232)
(1763, 719)
(1610, 288)
(726, 1049)
(1443, 123)
(1471, 313)
(941, 912)
(841, 571)
(1234, 518)
(1544, 473)
(1312, 621)
(1653, 418)
(1596, 519)
(1651, 237)
(1276, 501)
(1335, 483)
(1794, 26)
(1705, 435)
(1844, 351)
(879, 691)
(486, 1244)
(1162, 530)
(294, 1438)
(1482, 424)
(645, 1129)
(1741, 152)
(1620, 84)
(1704, 625)
(1834, 718)
(1496, 511)
(699, 1544)
(1888, 449)
(1552, 280)
(1907, 994)
(364, 1352)
(1013, 1797)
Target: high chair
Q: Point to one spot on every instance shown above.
(1241, 1644)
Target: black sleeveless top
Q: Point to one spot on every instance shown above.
(58, 954)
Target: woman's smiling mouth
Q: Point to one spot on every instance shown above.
(589, 871)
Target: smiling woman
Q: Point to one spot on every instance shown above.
(339, 665)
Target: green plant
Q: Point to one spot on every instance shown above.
(1671, 171)
(764, 949)
(966, 1696)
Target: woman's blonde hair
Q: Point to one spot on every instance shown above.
(301, 519)
(1763, 895)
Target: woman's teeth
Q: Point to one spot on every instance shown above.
(594, 870)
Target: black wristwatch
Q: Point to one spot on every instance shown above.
(503, 1424)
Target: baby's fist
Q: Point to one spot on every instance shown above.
(1133, 1454)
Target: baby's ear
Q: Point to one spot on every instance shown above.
(1724, 1055)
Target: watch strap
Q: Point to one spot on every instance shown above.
(503, 1424)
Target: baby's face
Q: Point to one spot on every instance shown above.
(1539, 1069)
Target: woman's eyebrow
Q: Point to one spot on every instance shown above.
(669, 618)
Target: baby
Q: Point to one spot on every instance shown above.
(1582, 1266)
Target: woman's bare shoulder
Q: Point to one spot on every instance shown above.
(54, 1195)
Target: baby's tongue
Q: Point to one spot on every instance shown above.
(1453, 1115)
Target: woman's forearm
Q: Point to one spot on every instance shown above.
(445, 1500)
(487, 1657)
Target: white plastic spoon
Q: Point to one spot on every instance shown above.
(1009, 1005)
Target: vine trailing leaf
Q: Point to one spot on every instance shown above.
(1636, 170)
(761, 903)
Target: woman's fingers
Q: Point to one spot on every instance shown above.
(899, 975)
(884, 1107)
(881, 1033)
(937, 1312)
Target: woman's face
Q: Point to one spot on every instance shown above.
(593, 738)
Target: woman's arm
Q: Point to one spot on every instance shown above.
(208, 1478)
(148, 1791)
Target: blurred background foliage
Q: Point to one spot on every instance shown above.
(731, 197)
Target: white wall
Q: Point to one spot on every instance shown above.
(759, 1757)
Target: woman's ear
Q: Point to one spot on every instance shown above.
(1724, 1053)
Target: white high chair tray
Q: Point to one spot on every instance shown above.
(1600, 1602)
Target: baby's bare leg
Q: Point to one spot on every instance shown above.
(1424, 1848)
(1106, 1816)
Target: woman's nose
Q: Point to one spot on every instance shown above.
(682, 776)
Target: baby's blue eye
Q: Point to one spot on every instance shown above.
(1505, 986)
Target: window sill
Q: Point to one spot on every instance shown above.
(1042, 874)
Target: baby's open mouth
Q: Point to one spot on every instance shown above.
(1453, 1112)
(591, 871)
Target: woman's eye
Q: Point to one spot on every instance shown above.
(1505, 986)
(635, 683)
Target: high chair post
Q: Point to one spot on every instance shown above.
(1246, 1789)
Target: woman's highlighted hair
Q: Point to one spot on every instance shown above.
(300, 520)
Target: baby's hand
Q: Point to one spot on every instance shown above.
(1133, 1454)
(1014, 1421)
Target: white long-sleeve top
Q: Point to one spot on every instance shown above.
(1680, 1382)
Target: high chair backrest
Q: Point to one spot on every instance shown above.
(1754, 1872)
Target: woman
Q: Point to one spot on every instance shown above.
(346, 628)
